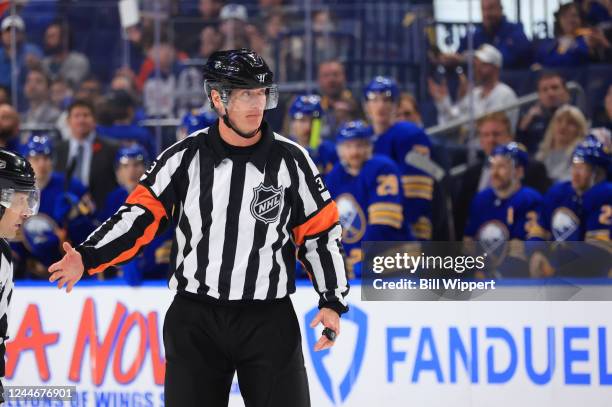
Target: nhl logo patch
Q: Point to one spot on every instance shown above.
(266, 203)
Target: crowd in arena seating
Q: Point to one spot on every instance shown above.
(81, 130)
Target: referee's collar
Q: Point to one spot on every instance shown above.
(258, 157)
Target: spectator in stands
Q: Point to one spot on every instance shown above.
(211, 41)
(408, 109)
(327, 41)
(594, 12)
(28, 55)
(209, 11)
(61, 93)
(5, 95)
(552, 93)
(489, 95)
(90, 90)
(60, 60)
(574, 44)
(234, 19)
(159, 94)
(9, 128)
(41, 112)
(509, 38)
(335, 96)
(493, 130)
(124, 82)
(116, 121)
(86, 155)
(604, 116)
(567, 128)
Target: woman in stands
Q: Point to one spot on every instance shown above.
(574, 43)
(566, 129)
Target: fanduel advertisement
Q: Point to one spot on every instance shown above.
(107, 342)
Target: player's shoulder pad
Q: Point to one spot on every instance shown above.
(559, 190)
(528, 196)
(599, 194)
(411, 131)
(380, 163)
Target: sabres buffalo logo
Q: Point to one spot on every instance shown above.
(493, 235)
(564, 224)
(352, 218)
(266, 203)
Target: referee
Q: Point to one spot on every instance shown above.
(19, 199)
(243, 201)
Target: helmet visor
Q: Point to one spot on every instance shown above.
(26, 200)
(241, 99)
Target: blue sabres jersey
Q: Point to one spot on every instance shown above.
(567, 216)
(369, 205)
(494, 219)
(396, 143)
(494, 222)
(55, 188)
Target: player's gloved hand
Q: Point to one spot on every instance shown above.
(330, 319)
(69, 270)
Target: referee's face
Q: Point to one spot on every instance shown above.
(246, 108)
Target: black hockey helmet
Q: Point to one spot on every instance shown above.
(17, 175)
(239, 69)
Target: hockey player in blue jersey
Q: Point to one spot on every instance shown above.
(367, 191)
(500, 213)
(66, 209)
(130, 165)
(576, 210)
(305, 129)
(405, 143)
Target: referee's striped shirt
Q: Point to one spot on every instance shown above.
(240, 214)
(6, 292)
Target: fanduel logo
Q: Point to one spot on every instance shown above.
(360, 319)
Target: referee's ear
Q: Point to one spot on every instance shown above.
(217, 103)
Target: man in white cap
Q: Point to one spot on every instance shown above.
(489, 95)
(28, 55)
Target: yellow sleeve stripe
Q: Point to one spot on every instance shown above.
(386, 214)
(418, 194)
(417, 179)
(385, 206)
(601, 234)
(387, 221)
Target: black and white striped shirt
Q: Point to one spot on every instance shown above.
(6, 292)
(240, 219)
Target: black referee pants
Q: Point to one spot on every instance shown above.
(206, 343)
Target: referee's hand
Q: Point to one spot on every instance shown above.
(68, 270)
(330, 319)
